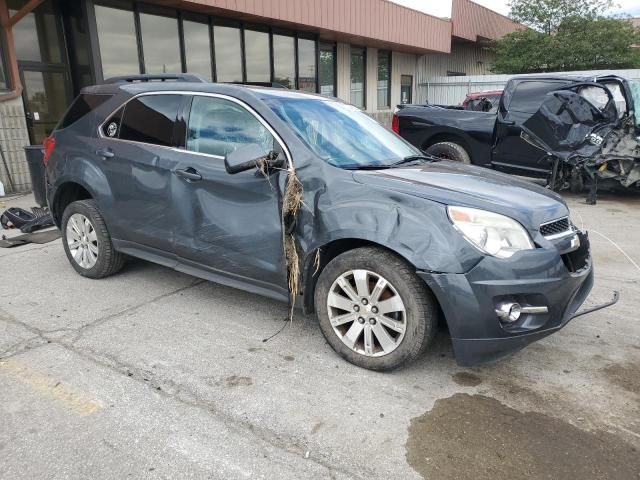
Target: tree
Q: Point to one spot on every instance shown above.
(579, 43)
(547, 15)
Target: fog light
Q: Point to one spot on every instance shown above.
(509, 312)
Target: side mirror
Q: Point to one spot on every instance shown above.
(247, 157)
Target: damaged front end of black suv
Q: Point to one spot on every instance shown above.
(587, 138)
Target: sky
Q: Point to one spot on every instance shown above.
(442, 8)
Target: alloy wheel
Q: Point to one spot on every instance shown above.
(367, 313)
(82, 241)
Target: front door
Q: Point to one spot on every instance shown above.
(43, 65)
(406, 89)
(511, 153)
(229, 224)
(46, 97)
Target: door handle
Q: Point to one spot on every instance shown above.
(507, 122)
(105, 153)
(190, 174)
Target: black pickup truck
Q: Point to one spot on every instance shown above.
(569, 130)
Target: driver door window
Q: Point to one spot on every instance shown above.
(218, 126)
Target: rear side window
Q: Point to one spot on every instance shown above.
(82, 105)
(528, 96)
(148, 119)
(218, 126)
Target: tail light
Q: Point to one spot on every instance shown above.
(48, 144)
(395, 123)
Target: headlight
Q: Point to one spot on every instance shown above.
(490, 232)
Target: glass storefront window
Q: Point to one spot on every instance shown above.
(160, 44)
(197, 48)
(358, 77)
(384, 79)
(3, 79)
(36, 36)
(306, 65)
(117, 41)
(284, 61)
(228, 54)
(256, 49)
(327, 69)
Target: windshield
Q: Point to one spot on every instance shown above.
(634, 85)
(341, 134)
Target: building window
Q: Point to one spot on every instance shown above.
(327, 69)
(228, 55)
(4, 83)
(257, 61)
(284, 61)
(197, 48)
(306, 65)
(37, 36)
(160, 46)
(358, 77)
(384, 79)
(117, 41)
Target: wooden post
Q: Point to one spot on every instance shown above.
(6, 30)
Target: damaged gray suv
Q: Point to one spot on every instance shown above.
(305, 199)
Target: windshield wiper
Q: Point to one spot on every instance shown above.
(366, 167)
(415, 158)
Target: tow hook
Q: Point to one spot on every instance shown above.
(613, 301)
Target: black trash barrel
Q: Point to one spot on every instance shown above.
(35, 159)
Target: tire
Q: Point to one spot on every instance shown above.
(413, 329)
(449, 151)
(100, 259)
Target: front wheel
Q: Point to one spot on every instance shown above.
(374, 310)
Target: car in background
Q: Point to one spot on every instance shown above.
(568, 130)
(486, 101)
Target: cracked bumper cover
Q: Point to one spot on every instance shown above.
(534, 277)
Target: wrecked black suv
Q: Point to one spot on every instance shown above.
(305, 199)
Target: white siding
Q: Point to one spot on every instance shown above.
(468, 58)
(453, 90)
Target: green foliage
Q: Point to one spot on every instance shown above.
(578, 43)
(547, 15)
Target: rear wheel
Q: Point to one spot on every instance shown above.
(449, 151)
(374, 310)
(87, 242)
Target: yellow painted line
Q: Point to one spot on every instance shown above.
(49, 387)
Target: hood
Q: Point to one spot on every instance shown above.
(453, 183)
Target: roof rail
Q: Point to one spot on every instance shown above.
(164, 77)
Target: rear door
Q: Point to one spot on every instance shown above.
(511, 153)
(135, 151)
(228, 224)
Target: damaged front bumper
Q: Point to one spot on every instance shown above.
(549, 285)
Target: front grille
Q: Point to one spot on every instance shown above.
(556, 227)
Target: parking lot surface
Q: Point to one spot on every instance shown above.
(155, 374)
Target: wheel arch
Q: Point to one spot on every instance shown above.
(66, 193)
(311, 269)
(451, 137)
